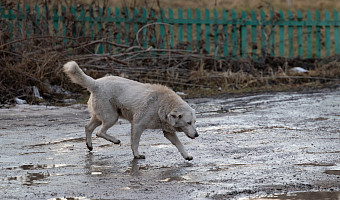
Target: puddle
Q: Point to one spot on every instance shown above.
(70, 198)
(38, 166)
(306, 196)
(317, 164)
(31, 178)
(176, 178)
(332, 172)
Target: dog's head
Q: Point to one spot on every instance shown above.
(183, 119)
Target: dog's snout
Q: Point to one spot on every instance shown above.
(196, 134)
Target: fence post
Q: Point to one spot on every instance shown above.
(299, 35)
(162, 29)
(309, 29)
(253, 35)
(327, 34)
(336, 33)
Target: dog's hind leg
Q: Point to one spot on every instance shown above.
(172, 137)
(107, 123)
(89, 128)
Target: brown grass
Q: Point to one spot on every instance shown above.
(37, 61)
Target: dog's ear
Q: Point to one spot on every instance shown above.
(172, 117)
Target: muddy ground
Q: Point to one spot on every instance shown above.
(250, 146)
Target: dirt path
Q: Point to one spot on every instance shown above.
(249, 147)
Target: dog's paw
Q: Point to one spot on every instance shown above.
(116, 142)
(188, 158)
(140, 157)
(89, 147)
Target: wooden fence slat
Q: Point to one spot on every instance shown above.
(162, 30)
(127, 25)
(225, 33)
(172, 34)
(317, 36)
(180, 25)
(144, 31)
(198, 29)
(118, 26)
(309, 32)
(272, 33)
(299, 35)
(253, 36)
(327, 34)
(55, 19)
(336, 33)
(243, 28)
(234, 34)
(189, 29)
(215, 29)
(282, 35)
(264, 44)
(290, 36)
(207, 31)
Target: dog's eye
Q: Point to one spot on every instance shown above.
(189, 123)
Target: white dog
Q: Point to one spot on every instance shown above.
(146, 106)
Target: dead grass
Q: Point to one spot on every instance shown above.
(37, 61)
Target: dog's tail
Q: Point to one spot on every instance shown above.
(78, 76)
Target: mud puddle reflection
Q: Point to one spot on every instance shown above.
(305, 196)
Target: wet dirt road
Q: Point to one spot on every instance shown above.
(250, 146)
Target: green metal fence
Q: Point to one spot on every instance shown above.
(222, 33)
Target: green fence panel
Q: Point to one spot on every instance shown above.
(225, 34)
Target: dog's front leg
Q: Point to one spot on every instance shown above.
(172, 137)
(136, 132)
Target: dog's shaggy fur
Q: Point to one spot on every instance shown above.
(146, 106)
